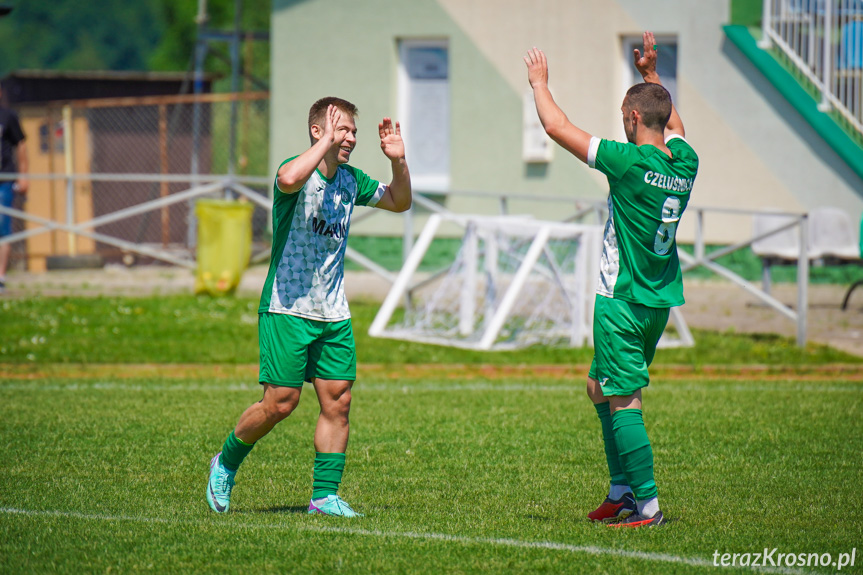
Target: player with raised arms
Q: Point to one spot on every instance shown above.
(304, 325)
(650, 179)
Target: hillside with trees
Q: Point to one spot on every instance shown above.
(147, 35)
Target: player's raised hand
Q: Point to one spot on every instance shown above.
(392, 144)
(537, 67)
(331, 120)
(646, 63)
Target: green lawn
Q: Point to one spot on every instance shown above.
(189, 329)
(454, 476)
(110, 409)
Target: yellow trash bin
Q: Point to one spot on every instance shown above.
(224, 245)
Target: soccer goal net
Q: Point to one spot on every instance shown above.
(514, 282)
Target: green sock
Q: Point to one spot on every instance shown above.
(636, 456)
(328, 474)
(603, 410)
(234, 451)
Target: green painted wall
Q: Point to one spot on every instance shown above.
(329, 47)
(746, 12)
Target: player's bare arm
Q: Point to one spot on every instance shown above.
(555, 122)
(397, 197)
(23, 167)
(646, 65)
(293, 175)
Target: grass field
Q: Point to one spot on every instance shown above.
(459, 467)
(188, 329)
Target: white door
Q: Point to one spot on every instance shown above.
(424, 111)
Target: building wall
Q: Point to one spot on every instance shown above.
(756, 152)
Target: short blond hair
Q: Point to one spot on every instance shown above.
(318, 111)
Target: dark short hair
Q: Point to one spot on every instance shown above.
(319, 109)
(652, 101)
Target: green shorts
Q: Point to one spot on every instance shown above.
(624, 342)
(295, 349)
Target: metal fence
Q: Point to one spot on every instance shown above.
(94, 159)
(700, 258)
(824, 40)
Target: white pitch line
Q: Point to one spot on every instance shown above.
(463, 540)
(575, 387)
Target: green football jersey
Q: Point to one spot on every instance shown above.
(648, 192)
(310, 234)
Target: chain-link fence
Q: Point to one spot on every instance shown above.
(97, 160)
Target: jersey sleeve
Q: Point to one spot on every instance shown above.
(680, 148)
(369, 191)
(276, 189)
(611, 158)
(685, 157)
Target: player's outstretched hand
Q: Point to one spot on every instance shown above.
(392, 144)
(537, 68)
(646, 63)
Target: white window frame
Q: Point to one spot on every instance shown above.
(630, 76)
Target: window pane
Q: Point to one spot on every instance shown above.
(666, 63)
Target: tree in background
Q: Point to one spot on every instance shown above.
(122, 35)
(69, 35)
(175, 51)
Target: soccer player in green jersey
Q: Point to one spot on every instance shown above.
(650, 179)
(304, 325)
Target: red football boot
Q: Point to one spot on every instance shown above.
(614, 510)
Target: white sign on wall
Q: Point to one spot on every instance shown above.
(536, 146)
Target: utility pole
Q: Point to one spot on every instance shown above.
(235, 86)
(197, 88)
(233, 38)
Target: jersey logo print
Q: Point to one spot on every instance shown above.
(664, 182)
(603, 381)
(336, 230)
(346, 197)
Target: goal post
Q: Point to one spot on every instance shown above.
(514, 282)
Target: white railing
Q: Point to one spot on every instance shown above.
(700, 258)
(200, 186)
(824, 40)
(576, 210)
